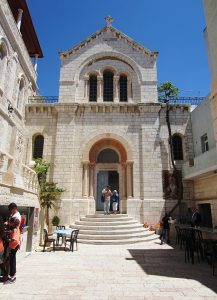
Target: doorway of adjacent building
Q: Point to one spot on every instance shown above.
(206, 215)
(105, 178)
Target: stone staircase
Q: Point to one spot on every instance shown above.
(118, 229)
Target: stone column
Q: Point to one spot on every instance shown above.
(123, 192)
(84, 179)
(86, 88)
(19, 18)
(129, 90)
(92, 165)
(99, 88)
(129, 179)
(116, 88)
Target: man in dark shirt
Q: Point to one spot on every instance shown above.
(196, 218)
(166, 229)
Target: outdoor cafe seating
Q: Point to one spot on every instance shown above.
(59, 235)
(72, 240)
(193, 242)
(67, 235)
(48, 240)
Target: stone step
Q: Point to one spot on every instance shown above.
(112, 237)
(114, 232)
(101, 215)
(119, 242)
(107, 218)
(89, 227)
(106, 223)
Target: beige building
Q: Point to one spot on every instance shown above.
(109, 128)
(18, 46)
(204, 127)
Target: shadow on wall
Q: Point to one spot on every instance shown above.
(171, 263)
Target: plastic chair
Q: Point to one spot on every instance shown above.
(48, 240)
(72, 240)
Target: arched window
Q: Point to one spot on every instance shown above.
(3, 63)
(123, 88)
(38, 145)
(20, 95)
(177, 147)
(108, 86)
(108, 156)
(93, 88)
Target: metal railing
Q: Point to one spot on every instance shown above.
(184, 100)
(175, 100)
(43, 99)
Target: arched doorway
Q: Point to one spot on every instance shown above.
(107, 165)
(107, 173)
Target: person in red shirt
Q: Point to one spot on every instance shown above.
(14, 244)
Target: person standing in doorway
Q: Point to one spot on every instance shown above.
(115, 201)
(195, 218)
(106, 192)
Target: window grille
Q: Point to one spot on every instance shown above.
(108, 86)
(38, 146)
(204, 143)
(123, 88)
(93, 88)
(177, 147)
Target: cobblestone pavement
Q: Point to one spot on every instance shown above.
(132, 272)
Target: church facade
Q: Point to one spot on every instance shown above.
(108, 128)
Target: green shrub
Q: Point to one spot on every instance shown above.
(56, 221)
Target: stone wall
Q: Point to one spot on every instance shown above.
(144, 132)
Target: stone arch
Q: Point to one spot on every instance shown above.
(117, 55)
(99, 142)
(108, 69)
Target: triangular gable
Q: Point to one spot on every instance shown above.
(117, 33)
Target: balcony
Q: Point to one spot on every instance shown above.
(25, 180)
(204, 163)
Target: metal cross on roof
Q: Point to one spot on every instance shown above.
(108, 20)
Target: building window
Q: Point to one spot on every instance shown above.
(177, 147)
(20, 95)
(123, 88)
(204, 143)
(38, 145)
(108, 86)
(93, 88)
(108, 156)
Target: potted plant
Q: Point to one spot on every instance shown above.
(55, 221)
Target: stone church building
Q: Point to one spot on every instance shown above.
(108, 128)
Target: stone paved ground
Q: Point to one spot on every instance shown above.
(141, 271)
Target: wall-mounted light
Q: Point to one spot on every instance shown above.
(10, 108)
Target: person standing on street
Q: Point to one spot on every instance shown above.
(165, 236)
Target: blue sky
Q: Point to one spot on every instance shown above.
(172, 27)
